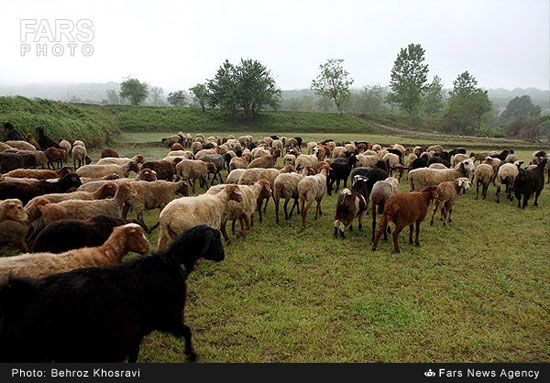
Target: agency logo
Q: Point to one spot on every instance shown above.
(429, 373)
(59, 37)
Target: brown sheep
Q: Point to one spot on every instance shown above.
(177, 146)
(31, 140)
(108, 152)
(165, 169)
(55, 155)
(39, 174)
(406, 209)
(451, 190)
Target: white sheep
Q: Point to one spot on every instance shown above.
(311, 189)
(424, 176)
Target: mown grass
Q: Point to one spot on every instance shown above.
(477, 291)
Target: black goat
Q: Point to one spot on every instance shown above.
(102, 314)
(372, 175)
(13, 134)
(528, 182)
(340, 169)
(44, 141)
(351, 203)
(68, 234)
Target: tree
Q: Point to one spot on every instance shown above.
(200, 95)
(134, 90)
(408, 78)
(433, 97)
(372, 100)
(256, 88)
(112, 97)
(177, 98)
(333, 82)
(467, 105)
(247, 86)
(520, 108)
(155, 95)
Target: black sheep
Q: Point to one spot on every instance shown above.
(455, 151)
(529, 182)
(340, 169)
(27, 191)
(68, 234)
(502, 156)
(44, 141)
(398, 154)
(300, 140)
(437, 160)
(11, 161)
(373, 175)
(102, 314)
(13, 134)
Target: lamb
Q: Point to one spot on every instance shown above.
(44, 141)
(218, 162)
(451, 190)
(12, 210)
(483, 175)
(351, 204)
(83, 209)
(98, 171)
(305, 160)
(39, 174)
(25, 192)
(265, 162)
(13, 134)
(11, 161)
(191, 170)
(310, 189)
(79, 325)
(14, 232)
(424, 176)
(20, 145)
(528, 182)
(153, 195)
(406, 209)
(80, 154)
(458, 158)
(239, 162)
(480, 156)
(68, 234)
(55, 155)
(184, 213)
(65, 145)
(506, 175)
(340, 169)
(105, 191)
(165, 169)
(286, 186)
(252, 200)
(123, 239)
(138, 159)
(379, 194)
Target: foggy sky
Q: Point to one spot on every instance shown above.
(177, 44)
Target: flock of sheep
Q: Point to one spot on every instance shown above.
(71, 298)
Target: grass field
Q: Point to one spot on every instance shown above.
(477, 291)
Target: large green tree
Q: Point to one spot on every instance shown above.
(433, 97)
(333, 82)
(247, 86)
(520, 108)
(521, 118)
(134, 91)
(467, 106)
(408, 78)
(200, 95)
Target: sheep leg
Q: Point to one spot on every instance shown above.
(411, 230)
(184, 331)
(485, 190)
(374, 221)
(395, 236)
(223, 229)
(537, 198)
(244, 225)
(498, 194)
(125, 211)
(335, 236)
(305, 208)
(360, 221)
(233, 224)
(526, 199)
(381, 228)
(417, 241)
(276, 200)
(265, 208)
(294, 205)
(450, 212)
(477, 190)
(436, 205)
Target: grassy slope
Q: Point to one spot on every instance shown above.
(60, 119)
(474, 292)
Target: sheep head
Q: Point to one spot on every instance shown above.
(12, 209)
(136, 241)
(183, 188)
(463, 184)
(233, 193)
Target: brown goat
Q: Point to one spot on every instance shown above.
(406, 209)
